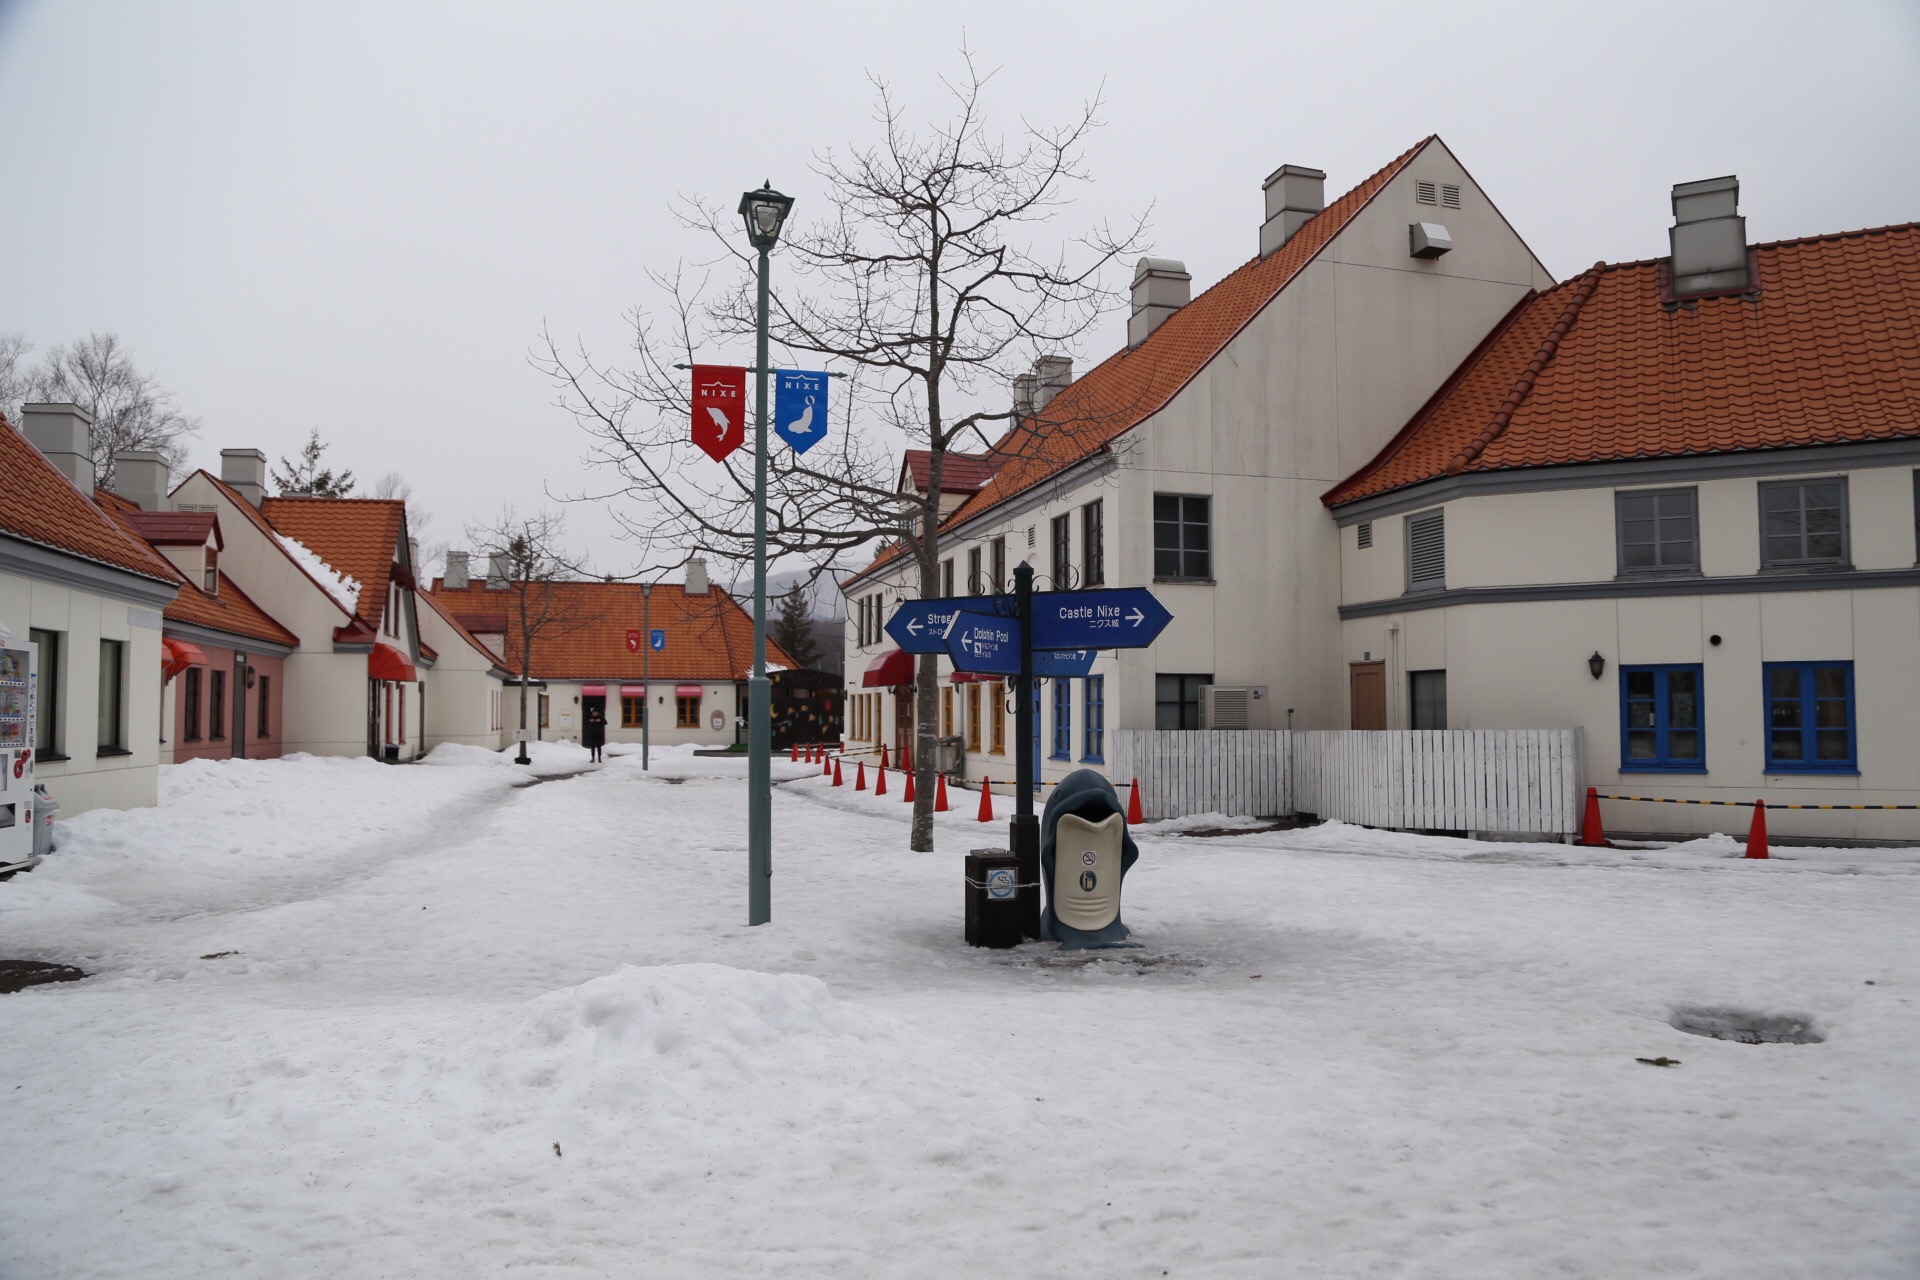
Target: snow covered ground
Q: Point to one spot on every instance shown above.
(354, 1020)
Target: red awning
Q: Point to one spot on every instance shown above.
(688, 690)
(891, 668)
(176, 656)
(385, 663)
(633, 691)
(593, 691)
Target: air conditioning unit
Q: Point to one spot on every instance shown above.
(1233, 706)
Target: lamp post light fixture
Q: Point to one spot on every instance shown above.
(764, 212)
(1596, 664)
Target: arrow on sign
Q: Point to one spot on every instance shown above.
(977, 642)
(920, 626)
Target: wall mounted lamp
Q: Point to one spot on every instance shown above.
(1596, 664)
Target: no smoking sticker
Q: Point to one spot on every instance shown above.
(1088, 858)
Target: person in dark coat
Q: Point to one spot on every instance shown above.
(595, 736)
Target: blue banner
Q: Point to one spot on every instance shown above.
(800, 407)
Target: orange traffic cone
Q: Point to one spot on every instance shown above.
(1591, 833)
(940, 804)
(1757, 833)
(883, 755)
(860, 776)
(834, 769)
(1134, 814)
(908, 797)
(827, 766)
(810, 756)
(880, 787)
(793, 754)
(986, 799)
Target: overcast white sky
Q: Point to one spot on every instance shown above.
(357, 216)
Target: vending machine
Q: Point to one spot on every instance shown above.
(18, 684)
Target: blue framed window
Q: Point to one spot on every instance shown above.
(1662, 720)
(1093, 747)
(1062, 719)
(1810, 718)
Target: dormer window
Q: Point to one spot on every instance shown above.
(210, 575)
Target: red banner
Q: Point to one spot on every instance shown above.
(719, 409)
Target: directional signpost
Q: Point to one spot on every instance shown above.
(1030, 637)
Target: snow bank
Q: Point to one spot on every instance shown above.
(344, 590)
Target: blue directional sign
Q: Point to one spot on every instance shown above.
(1122, 618)
(800, 408)
(977, 642)
(1062, 663)
(657, 640)
(920, 626)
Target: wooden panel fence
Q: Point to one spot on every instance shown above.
(1505, 780)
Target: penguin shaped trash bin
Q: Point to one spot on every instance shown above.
(1085, 852)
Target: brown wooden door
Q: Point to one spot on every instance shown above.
(1368, 683)
(902, 718)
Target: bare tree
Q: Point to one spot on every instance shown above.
(433, 550)
(15, 377)
(539, 607)
(920, 276)
(130, 409)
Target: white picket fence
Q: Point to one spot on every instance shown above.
(1507, 780)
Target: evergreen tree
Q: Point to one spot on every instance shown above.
(793, 629)
(307, 478)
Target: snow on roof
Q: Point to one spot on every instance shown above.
(344, 590)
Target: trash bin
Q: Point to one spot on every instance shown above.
(44, 809)
(994, 898)
(390, 752)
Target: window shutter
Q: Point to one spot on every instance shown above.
(1427, 550)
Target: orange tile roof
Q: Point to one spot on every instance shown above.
(426, 598)
(357, 537)
(39, 504)
(230, 611)
(175, 528)
(1134, 383)
(709, 637)
(959, 472)
(1606, 367)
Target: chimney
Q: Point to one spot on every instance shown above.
(140, 476)
(413, 557)
(1025, 393)
(1051, 376)
(1294, 194)
(696, 577)
(499, 572)
(1161, 287)
(1709, 237)
(245, 471)
(455, 578)
(63, 433)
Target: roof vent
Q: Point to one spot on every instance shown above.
(63, 433)
(1161, 287)
(1428, 240)
(1709, 237)
(140, 476)
(245, 472)
(1294, 194)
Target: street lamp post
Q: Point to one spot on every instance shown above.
(646, 665)
(764, 211)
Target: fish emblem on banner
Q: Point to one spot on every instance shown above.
(719, 409)
(800, 407)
